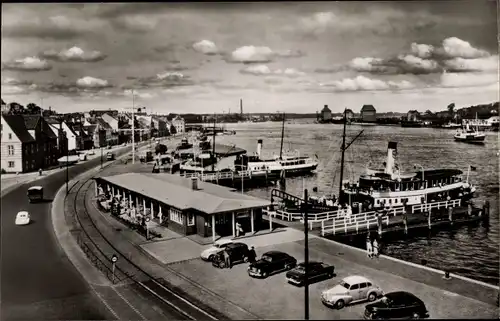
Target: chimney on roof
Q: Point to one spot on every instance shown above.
(194, 183)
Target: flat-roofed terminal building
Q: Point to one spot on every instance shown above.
(186, 206)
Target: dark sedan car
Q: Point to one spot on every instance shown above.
(315, 271)
(238, 252)
(396, 305)
(270, 263)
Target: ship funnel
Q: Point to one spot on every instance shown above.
(259, 147)
(391, 153)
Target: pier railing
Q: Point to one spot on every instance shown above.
(347, 225)
(436, 205)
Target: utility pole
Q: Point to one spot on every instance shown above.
(343, 152)
(67, 171)
(101, 157)
(306, 255)
(282, 135)
(213, 145)
(343, 148)
(133, 127)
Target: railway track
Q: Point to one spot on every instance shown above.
(125, 269)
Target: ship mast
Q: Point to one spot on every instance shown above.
(282, 135)
(343, 148)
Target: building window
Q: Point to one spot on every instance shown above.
(190, 219)
(27, 165)
(10, 135)
(10, 149)
(11, 164)
(176, 216)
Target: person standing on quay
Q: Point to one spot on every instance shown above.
(375, 248)
(369, 248)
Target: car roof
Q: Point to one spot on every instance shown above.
(35, 188)
(238, 244)
(402, 296)
(355, 279)
(22, 213)
(274, 253)
(311, 263)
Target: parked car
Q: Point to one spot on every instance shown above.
(315, 271)
(350, 290)
(110, 156)
(238, 252)
(23, 218)
(396, 305)
(218, 246)
(270, 263)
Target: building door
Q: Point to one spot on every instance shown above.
(223, 223)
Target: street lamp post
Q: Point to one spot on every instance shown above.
(306, 256)
(67, 171)
(114, 258)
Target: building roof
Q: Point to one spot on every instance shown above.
(103, 124)
(177, 192)
(90, 129)
(21, 124)
(368, 108)
(18, 126)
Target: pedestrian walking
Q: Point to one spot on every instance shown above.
(227, 259)
(375, 248)
(369, 248)
(252, 255)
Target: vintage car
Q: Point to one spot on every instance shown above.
(35, 194)
(218, 246)
(396, 305)
(22, 218)
(238, 253)
(350, 290)
(315, 271)
(270, 263)
(110, 156)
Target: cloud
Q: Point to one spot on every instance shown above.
(468, 80)
(206, 47)
(170, 76)
(252, 54)
(165, 79)
(319, 22)
(92, 83)
(453, 55)
(472, 65)
(362, 83)
(135, 23)
(264, 70)
(256, 54)
(422, 50)
(75, 54)
(16, 82)
(27, 64)
(138, 94)
(57, 27)
(12, 90)
(455, 47)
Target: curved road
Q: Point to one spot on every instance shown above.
(37, 279)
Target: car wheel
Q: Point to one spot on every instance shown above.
(288, 266)
(245, 259)
(330, 275)
(340, 304)
(264, 274)
(415, 316)
(372, 297)
(211, 258)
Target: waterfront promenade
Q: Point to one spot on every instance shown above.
(238, 296)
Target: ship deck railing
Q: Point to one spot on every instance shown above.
(435, 205)
(219, 175)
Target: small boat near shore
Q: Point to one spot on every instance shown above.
(470, 135)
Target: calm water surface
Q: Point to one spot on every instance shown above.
(468, 251)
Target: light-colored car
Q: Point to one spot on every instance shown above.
(350, 290)
(217, 247)
(22, 218)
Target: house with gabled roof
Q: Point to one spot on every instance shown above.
(60, 129)
(27, 143)
(368, 114)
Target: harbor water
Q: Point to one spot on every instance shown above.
(471, 251)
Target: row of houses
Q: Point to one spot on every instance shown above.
(33, 142)
(368, 114)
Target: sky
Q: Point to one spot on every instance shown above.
(275, 56)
